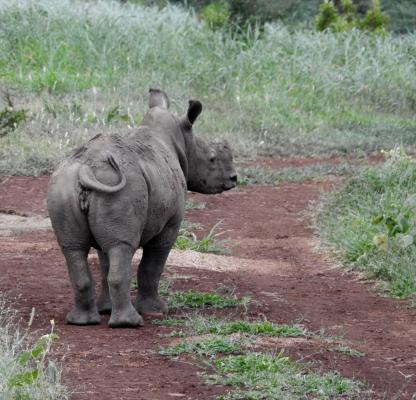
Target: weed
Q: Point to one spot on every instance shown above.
(187, 240)
(341, 348)
(26, 372)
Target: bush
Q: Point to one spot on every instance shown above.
(329, 18)
(215, 15)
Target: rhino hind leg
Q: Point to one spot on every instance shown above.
(104, 300)
(148, 303)
(84, 311)
(123, 314)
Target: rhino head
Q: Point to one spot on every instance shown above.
(210, 167)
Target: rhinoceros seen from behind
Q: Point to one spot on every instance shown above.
(117, 194)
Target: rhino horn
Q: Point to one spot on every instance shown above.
(158, 98)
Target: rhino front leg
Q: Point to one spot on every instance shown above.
(104, 301)
(123, 313)
(148, 303)
(84, 311)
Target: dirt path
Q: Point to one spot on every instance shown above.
(275, 262)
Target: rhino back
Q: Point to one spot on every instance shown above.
(154, 193)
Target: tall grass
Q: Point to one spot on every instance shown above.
(82, 67)
(26, 371)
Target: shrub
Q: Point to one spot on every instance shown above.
(375, 20)
(215, 15)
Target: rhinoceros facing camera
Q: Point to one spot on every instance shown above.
(117, 194)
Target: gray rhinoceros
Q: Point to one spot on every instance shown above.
(117, 194)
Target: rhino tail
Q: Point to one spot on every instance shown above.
(88, 180)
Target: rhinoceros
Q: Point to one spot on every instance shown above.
(117, 194)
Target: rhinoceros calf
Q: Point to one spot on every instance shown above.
(118, 194)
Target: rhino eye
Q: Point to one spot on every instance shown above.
(212, 159)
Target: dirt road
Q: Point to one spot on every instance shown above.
(275, 261)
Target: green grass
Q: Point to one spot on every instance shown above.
(253, 375)
(83, 67)
(187, 240)
(318, 172)
(26, 368)
(258, 376)
(199, 324)
(196, 300)
(205, 347)
(370, 223)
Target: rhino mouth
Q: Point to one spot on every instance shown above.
(228, 186)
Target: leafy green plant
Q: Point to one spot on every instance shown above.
(26, 370)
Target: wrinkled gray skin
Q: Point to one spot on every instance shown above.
(118, 194)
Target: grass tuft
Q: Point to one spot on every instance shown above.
(275, 376)
(193, 299)
(187, 240)
(347, 351)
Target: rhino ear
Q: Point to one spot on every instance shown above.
(158, 98)
(194, 109)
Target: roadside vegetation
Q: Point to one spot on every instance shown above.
(26, 370)
(371, 223)
(77, 68)
(235, 356)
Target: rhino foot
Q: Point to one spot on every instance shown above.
(125, 319)
(82, 317)
(104, 306)
(151, 307)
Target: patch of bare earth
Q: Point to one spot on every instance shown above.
(273, 259)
